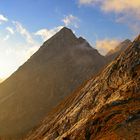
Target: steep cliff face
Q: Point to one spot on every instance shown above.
(57, 69)
(106, 107)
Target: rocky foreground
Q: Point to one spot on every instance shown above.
(107, 107)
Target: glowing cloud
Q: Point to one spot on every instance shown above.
(104, 46)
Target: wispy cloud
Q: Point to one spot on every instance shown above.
(105, 45)
(24, 32)
(71, 20)
(3, 19)
(86, 2)
(16, 53)
(48, 33)
(10, 30)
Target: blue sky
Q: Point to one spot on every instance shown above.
(24, 25)
(36, 14)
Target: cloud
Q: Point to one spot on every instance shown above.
(3, 19)
(127, 11)
(46, 33)
(24, 32)
(10, 30)
(71, 20)
(6, 38)
(16, 50)
(104, 46)
(86, 2)
(119, 6)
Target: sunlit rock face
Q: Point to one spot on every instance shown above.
(106, 107)
(59, 67)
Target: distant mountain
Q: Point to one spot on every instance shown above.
(107, 107)
(112, 54)
(60, 66)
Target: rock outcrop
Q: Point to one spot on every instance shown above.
(52, 73)
(107, 107)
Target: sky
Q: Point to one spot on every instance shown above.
(26, 24)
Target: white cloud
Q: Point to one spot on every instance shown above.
(86, 2)
(14, 54)
(71, 20)
(104, 46)
(3, 19)
(46, 33)
(24, 32)
(127, 11)
(10, 30)
(6, 38)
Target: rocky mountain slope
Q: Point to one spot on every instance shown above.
(107, 107)
(57, 69)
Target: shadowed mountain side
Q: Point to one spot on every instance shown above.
(52, 73)
(107, 107)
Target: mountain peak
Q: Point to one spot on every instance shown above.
(66, 31)
(126, 41)
(65, 37)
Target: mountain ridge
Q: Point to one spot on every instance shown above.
(106, 107)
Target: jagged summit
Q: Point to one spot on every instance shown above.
(65, 33)
(126, 40)
(66, 30)
(64, 39)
